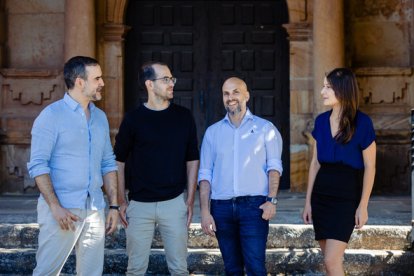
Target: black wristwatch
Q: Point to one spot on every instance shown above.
(115, 207)
(273, 200)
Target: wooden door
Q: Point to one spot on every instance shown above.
(205, 42)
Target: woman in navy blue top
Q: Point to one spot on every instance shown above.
(342, 170)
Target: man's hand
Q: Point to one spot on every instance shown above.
(111, 221)
(269, 210)
(64, 217)
(208, 225)
(122, 214)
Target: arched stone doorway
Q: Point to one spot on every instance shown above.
(264, 64)
(265, 69)
(204, 42)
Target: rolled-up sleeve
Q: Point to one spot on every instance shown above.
(44, 136)
(108, 163)
(274, 146)
(206, 159)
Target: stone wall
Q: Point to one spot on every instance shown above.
(378, 40)
(30, 79)
(3, 34)
(379, 48)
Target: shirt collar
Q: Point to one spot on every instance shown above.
(247, 116)
(74, 104)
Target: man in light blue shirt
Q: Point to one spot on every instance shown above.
(240, 168)
(71, 159)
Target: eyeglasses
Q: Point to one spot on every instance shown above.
(167, 80)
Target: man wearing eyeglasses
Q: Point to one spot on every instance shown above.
(159, 141)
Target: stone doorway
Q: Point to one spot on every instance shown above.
(204, 42)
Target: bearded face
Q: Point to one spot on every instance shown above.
(93, 84)
(235, 96)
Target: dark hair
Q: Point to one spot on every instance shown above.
(147, 72)
(344, 84)
(76, 68)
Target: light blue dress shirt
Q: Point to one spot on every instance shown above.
(75, 152)
(236, 161)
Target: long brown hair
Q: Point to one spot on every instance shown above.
(344, 84)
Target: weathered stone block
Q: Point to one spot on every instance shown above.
(299, 166)
(37, 40)
(395, 178)
(13, 170)
(38, 6)
(301, 102)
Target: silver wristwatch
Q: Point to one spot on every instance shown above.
(273, 200)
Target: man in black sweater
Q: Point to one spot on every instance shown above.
(159, 140)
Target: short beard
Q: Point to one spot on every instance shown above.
(234, 112)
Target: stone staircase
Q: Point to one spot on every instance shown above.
(374, 250)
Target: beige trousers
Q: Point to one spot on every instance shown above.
(171, 218)
(55, 244)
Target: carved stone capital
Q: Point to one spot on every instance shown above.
(114, 32)
(299, 31)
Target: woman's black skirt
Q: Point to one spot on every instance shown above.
(335, 198)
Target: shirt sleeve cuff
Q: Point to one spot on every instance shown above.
(38, 171)
(204, 175)
(274, 164)
(109, 169)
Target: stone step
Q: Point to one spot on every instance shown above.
(208, 261)
(375, 237)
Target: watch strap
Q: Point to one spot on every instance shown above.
(272, 200)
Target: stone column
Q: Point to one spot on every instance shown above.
(299, 30)
(112, 54)
(3, 32)
(328, 43)
(79, 28)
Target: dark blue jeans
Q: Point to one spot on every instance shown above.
(242, 234)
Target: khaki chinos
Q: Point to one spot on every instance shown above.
(171, 218)
(55, 244)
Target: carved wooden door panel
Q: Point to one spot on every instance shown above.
(172, 32)
(205, 42)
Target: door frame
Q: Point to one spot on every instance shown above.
(111, 33)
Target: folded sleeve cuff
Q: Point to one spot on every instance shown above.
(204, 174)
(34, 172)
(275, 164)
(109, 169)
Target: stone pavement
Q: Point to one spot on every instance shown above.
(383, 210)
(380, 248)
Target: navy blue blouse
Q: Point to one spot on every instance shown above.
(330, 151)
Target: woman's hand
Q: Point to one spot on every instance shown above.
(307, 214)
(361, 217)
